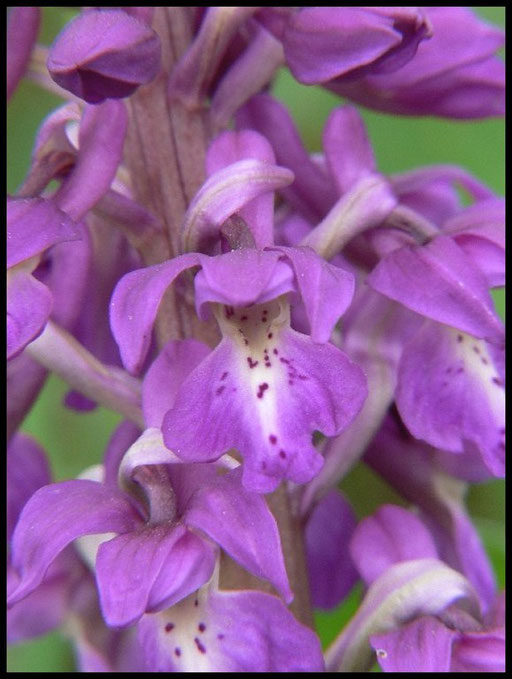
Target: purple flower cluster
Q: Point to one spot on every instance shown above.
(177, 256)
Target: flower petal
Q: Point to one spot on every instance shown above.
(135, 303)
(439, 281)
(33, 226)
(165, 376)
(29, 304)
(27, 470)
(241, 523)
(132, 578)
(327, 533)
(326, 290)
(390, 536)
(425, 645)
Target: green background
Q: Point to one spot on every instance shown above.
(75, 441)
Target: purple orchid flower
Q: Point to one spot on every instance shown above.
(451, 641)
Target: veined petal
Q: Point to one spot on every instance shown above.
(241, 523)
(135, 303)
(327, 534)
(390, 536)
(326, 290)
(451, 391)
(34, 225)
(250, 390)
(131, 575)
(425, 645)
(58, 514)
(439, 281)
(228, 632)
(480, 651)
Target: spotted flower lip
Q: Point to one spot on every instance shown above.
(260, 361)
(104, 54)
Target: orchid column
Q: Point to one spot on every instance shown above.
(189, 272)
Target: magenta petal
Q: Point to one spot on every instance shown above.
(240, 278)
(101, 140)
(327, 534)
(22, 29)
(480, 652)
(29, 304)
(241, 523)
(326, 290)
(424, 645)
(122, 438)
(104, 53)
(188, 567)
(450, 391)
(391, 535)
(135, 303)
(348, 151)
(27, 470)
(322, 43)
(165, 376)
(58, 514)
(439, 281)
(228, 632)
(129, 565)
(34, 225)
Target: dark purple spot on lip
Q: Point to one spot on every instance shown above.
(476, 350)
(484, 361)
(229, 311)
(201, 627)
(199, 645)
(448, 370)
(169, 627)
(284, 360)
(276, 352)
(220, 390)
(497, 381)
(196, 602)
(261, 389)
(177, 651)
(272, 438)
(224, 375)
(270, 335)
(282, 454)
(459, 338)
(220, 636)
(243, 318)
(252, 364)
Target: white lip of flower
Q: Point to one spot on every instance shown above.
(255, 332)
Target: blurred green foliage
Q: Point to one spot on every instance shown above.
(76, 441)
